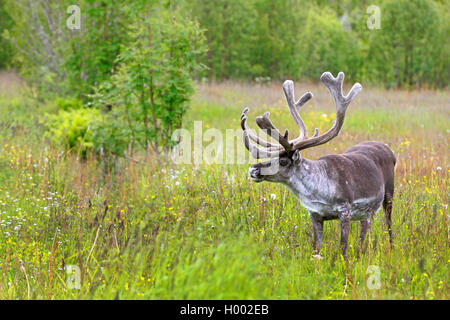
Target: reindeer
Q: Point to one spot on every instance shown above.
(348, 186)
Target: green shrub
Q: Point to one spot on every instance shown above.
(66, 104)
(110, 135)
(73, 128)
(152, 86)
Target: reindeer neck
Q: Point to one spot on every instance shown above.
(310, 180)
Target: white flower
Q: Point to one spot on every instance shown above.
(273, 196)
(438, 168)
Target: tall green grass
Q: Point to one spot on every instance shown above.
(208, 232)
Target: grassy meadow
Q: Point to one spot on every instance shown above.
(208, 232)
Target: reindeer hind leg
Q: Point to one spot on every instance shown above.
(387, 206)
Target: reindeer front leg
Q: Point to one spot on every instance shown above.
(317, 224)
(365, 227)
(344, 218)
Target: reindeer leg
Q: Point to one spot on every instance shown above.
(365, 226)
(317, 223)
(387, 205)
(344, 218)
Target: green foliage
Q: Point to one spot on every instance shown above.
(151, 88)
(245, 40)
(67, 104)
(59, 61)
(278, 36)
(327, 46)
(38, 51)
(73, 128)
(90, 55)
(301, 39)
(5, 46)
(405, 51)
(86, 129)
(230, 30)
(183, 232)
(110, 135)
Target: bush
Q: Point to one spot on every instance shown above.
(150, 90)
(87, 129)
(73, 128)
(66, 104)
(111, 136)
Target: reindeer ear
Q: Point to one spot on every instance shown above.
(296, 157)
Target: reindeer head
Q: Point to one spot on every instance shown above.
(285, 157)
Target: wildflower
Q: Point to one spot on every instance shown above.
(273, 196)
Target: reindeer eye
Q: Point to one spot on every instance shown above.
(284, 162)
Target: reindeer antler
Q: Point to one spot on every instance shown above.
(288, 88)
(272, 150)
(334, 85)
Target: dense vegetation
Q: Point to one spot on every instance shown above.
(245, 40)
(87, 128)
(197, 232)
(135, 63)
(299, 39)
